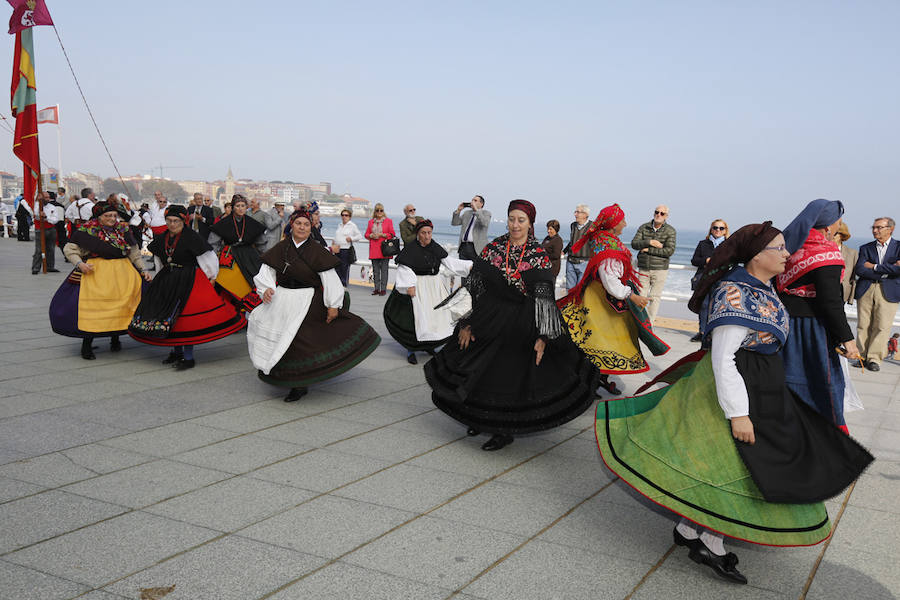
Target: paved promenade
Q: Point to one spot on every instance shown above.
(119, 475)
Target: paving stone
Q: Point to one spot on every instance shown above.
(21, 583)
(367, 387)
(867, 531)
(49, 470)
(377, 412)
(49, 381)
(27, 403)
(241, 454)
(435, 552)
(387, 445)
(246, 419)
(103, 459)
(877, 488)
(232, 568)
(886, 445)
(230, 504)
(701, 584)
(553, 472)
(846, 575)
(315, 432)
(320, 470)
(525, 575)
(8, 455)
(40, 433)
(97, 390)
(328, 524)
(10, 489)
(341, 581)
(408, 488)
(169, 440)
(146, 484)
(101, 595)
(41, 516)
(419, 395)
(111, 549)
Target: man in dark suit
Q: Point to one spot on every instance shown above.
(200, 216)
(877, 292)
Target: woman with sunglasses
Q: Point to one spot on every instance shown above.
(727, 446)
(718, 233)
(347, 233)
(380, 228)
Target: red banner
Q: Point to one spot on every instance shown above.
(28, 13)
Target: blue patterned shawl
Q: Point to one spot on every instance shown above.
(741, 299)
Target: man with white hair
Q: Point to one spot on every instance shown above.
(576, 262)
(81, 210)
(156, 216)
(655, 243)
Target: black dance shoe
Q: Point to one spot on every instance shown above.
(53, 270)
(609, 386)
(172, 358)
(296, 393)
(683, 541)
(471, 432)
(88, 354)
(724, 566)
(184, 364)
(115, 345)
(697, 338)
(872, 366)
(496, 442)
(411, 358)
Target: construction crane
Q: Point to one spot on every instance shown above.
(161, 167)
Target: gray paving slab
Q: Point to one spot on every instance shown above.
(877, 488)
(408, 488)
(315, 432)
(49, 381)
(101, 595)
(386, 444)
(885, 445)
(8, 455)
(22, 583)
(99, 389)
(418, 395)
(40, 433)
(169, 440)
(111, 549)
(146, 484)
(341, 581)
(10, 489)
(321, 470)
(330, 525)
(846, 575)
(698, 585)
(317, 402)
(552, 472)
(233, 568)
(102, 459)
(29, 520)
(49, 470)
(435, 552)
(246, 419)
(378, 412)
(32, 402)
(367, 387)
(543, 570)
(241, 454)
(231, 504)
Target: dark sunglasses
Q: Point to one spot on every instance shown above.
(717, 228)
(656, 212)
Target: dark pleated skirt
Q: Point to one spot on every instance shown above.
(400, 321)
(813, 369)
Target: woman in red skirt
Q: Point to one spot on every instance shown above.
(181, 308)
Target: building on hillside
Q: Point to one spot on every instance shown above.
(83, 180)
(11, 185)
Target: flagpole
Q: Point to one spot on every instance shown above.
(41, 215)
(59, 178)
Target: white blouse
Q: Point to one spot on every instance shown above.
(345, 230)
(610, 272)
(730, 386)
(332, 288)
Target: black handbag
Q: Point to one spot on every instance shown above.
(351, 257)
(390, 247)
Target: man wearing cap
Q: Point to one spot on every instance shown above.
(877, 292)
(655, 243)
(200, 216)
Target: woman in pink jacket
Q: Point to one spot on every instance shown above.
(380, 228)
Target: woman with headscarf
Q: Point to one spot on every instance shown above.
(236, 238)
(511, 368)
(727, 446)
(604, 313)
(99, 296)
(810, 288)
(300, 335)
(718, 233)
(181, 307)
(409, 313)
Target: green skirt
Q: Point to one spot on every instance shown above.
(674, 446)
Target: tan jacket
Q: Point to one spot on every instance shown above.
(848, 281)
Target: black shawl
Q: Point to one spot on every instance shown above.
(189, 246)
(299, 267)
(228, 230)
(423, 260)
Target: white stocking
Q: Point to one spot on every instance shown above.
(713, 541)
(687, 529)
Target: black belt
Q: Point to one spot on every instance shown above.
(295, 285)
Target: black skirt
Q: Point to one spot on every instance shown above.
(400, 321)
(494, 385)
(798, 456)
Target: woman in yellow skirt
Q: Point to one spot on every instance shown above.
(99, 297)
(604, 313)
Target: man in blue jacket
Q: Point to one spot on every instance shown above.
(877, 292)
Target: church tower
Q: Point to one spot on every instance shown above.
(229, 185)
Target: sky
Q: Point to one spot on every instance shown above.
(742, 111)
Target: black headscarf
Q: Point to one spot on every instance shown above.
(740, 247)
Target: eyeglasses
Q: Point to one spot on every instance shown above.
(581, 211)
(658, 212)
(379, 210)
(717, 228)
(877, 227)
(411, 210)
(780, 248)
(345, 215)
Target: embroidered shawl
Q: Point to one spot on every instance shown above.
(817, 251)
(741, 299)
(533, 256)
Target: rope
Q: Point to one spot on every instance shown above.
(87, 106)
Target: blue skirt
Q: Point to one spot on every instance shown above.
(813, 368)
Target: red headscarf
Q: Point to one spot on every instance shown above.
(525, 206)
(608, 218)
(297, 214)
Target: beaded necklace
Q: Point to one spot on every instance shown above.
(240, 233)
(515, 275)
(170, 249)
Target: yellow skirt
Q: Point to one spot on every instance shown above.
(233, 280)
(607, 337)
(108, 296)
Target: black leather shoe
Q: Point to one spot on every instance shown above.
(295, 394)
(411, 358)
(683, 541)
(430, 352)
(172, 358)
(496, 442)
(184, 365)
(609, 386)
(88, 355)
(697, 338)
(34, 272)
(472, 432)
(724, 566)
(872, 366)
(53, 270)
(115, 345)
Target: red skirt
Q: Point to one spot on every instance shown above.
(206, 317)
